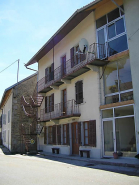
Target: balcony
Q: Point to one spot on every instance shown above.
(74, 67)
(60, 111)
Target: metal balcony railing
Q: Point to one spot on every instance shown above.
(60, 111)
(96, 51)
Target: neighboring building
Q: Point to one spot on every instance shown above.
(16, 126)
(89, 101)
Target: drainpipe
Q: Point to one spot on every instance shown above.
(1, 125)
(118, 6)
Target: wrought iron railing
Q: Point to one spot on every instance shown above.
(60, 110)
(96, 51)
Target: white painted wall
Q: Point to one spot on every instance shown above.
(7, 127)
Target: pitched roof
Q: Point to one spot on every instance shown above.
(68, 26)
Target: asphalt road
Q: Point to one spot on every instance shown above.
(31, 170)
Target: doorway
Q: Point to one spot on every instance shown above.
(63, 65)
(64, 102)
(76, 132)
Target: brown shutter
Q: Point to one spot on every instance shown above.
(79, 133)
(67, 134)
(52, 71)
(59, 134)
(52, 102)
(72, 56)
(46, 104)
(45, 135)
(92, 133)
(54, 134)
(46, 75)
(79, 92)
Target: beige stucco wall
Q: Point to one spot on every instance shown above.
(86, 29)
(106, 8)
(132, 25)
(7, 106)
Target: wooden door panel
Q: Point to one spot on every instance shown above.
(75, 138)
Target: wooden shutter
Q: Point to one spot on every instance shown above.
(45, 135)
(54, 134)
(79, 133)
(79, 92)
(59, 134)
(46, 104)
(67, 134)
(72, 56)
(46, 75)
(52, 102)
(52, 71)
(92, 133)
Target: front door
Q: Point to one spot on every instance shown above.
(64, 102)
(75, 138)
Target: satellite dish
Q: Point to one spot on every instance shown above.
(83, 45)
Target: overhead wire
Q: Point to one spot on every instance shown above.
(8, 66)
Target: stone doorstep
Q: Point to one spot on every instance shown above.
(94, 161)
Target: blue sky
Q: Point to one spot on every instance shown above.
(25, 26)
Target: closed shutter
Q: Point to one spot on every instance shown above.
(67, 134)
(79, 133)
(92, 133)
(79, 92)
(45, 135)
(54, 134)
(52, 71)
(46, 104)
(72, 56)
(59, 134)
(46, 75)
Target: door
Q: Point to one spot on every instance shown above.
(64, 102)
(109, 137)
(63, 66)
(101, 37)
(76, 137)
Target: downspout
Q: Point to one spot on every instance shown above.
(118, 6)
(1, 125)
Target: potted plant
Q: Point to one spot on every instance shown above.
(115, 155)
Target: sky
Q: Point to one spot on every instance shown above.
(25, 26)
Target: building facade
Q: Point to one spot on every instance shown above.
(16, 125)
(89, 102)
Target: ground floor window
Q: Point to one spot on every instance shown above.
(50, 135)
(89, 128)
(66, 134)
(119, 131)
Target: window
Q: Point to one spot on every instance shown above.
(49, 73)
(54, 134)
(4, 136)
(50, 135)
(66, 134)
(59, 134)
(45, 135)
(111, 31)
(49, 103)
(118, 81)
(3, 118)
(9, 116)
(90, 133)
(75, 56)
(79, 92)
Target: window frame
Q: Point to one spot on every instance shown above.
(50, 135)
(66, 134)
(77, 93)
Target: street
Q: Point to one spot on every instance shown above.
(33, 170)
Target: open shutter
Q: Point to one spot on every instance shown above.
(45, 135)
(59, 134)
(54, 134)
(72, 56)
(79, 133)
(79, 92)
(67, 134)
(46, 75)
(92, 133)
(46, 110)
(52, 108)
(52, 71)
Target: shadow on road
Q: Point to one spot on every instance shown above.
(4, 150)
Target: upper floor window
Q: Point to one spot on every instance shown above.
(79, 92)
(49, 73)
(9, 116)
(111, 32)
(49, 103)
(118, 81)
(3, 118)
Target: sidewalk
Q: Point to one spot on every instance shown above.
(124, 162)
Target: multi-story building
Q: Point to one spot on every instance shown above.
(18, 116)
(89, 102)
